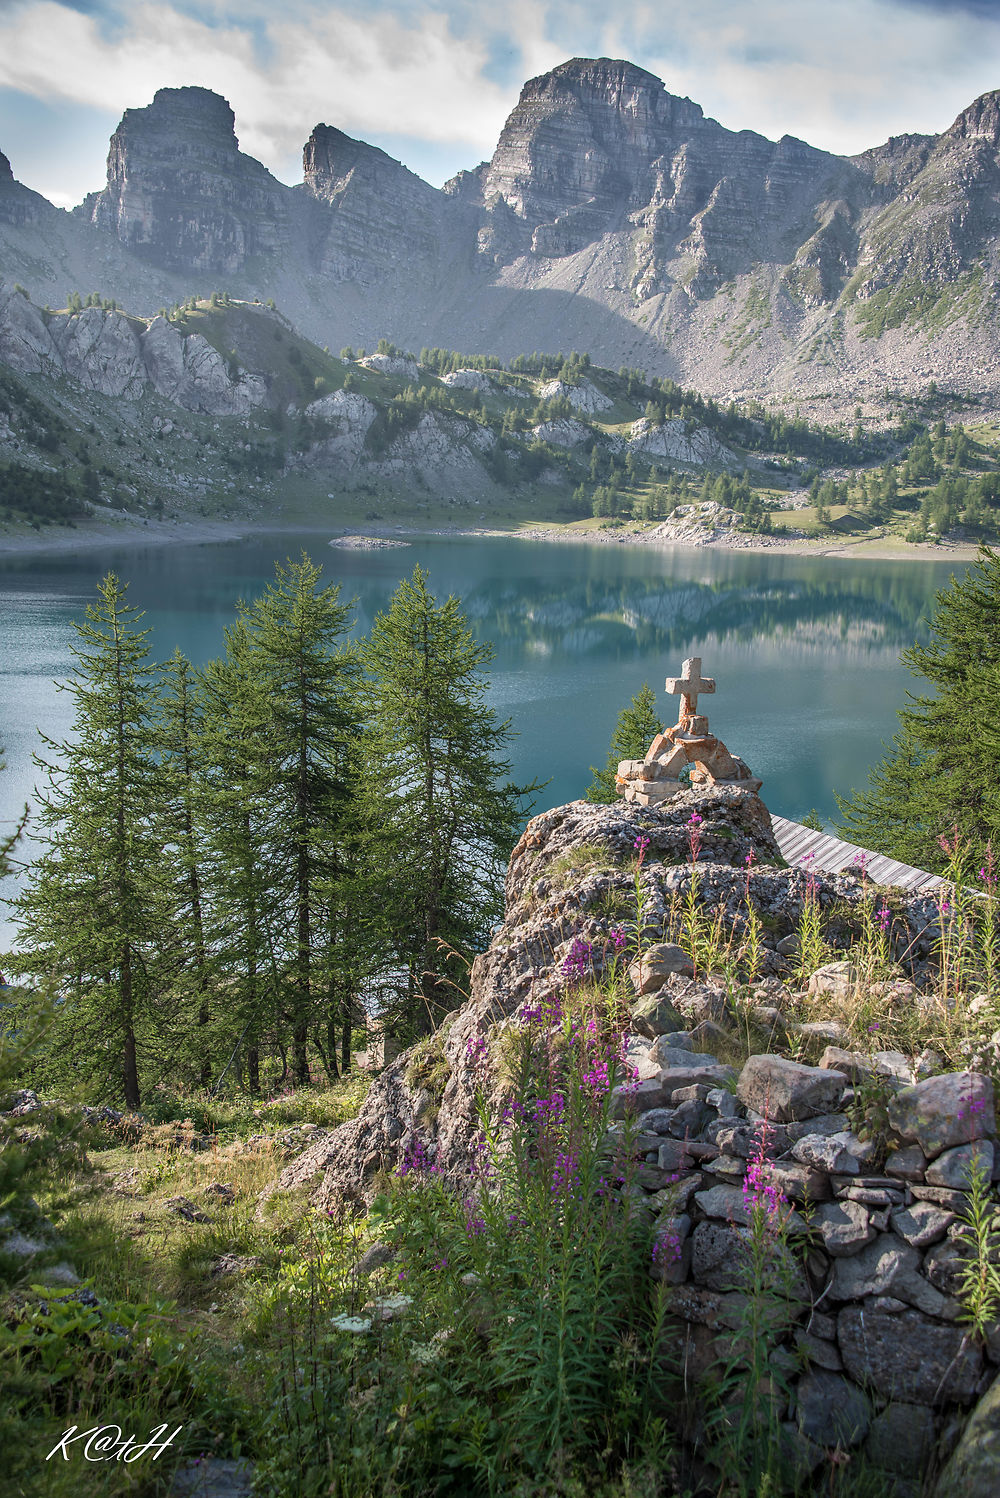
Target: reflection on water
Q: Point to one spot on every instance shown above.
(805, 650)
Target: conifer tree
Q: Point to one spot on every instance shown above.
(180, 746)
(304, 671)
(637, 726)
(245, 902)
(92, 913)
(942, 770)
(441, 815)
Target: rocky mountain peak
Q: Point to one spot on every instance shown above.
(330, 159)
(188, 108)
(181, 193)
(981, 121)
(5, 171)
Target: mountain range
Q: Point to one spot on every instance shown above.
(613, 217)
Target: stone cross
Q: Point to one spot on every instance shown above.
(689, 684)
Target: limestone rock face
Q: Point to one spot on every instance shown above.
(182, 195)
(120, 356)
(598, 146)
(379, 217)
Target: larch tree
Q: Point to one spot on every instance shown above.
(441, 815)
(93, 912)
(304, 670)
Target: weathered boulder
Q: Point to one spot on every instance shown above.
(835, 978)
(845, 1227)
(654, 1015)
(902, 1355)
(650, 971)
(783, 1090)
(944, 1111)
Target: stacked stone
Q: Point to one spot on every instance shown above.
(875, 1355)
(656, 778)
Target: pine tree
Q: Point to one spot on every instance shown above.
(441, 816)
(637, 726)
(92, 914)
(943, 767)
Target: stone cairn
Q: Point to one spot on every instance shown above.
(656, 779)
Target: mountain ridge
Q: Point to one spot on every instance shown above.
(613, 216)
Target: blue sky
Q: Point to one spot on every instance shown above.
(431, 81)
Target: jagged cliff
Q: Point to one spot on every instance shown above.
(613, 217)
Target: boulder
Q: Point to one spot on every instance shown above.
(654, 1015)
(831, 1411)
(974, 1468)
(845, 1227)
(829, 1152)
(953, 1167)
(900, 1354)
(943, 1112)
(921, 1224)
(650, 971)
(836, 978)
(785, 1090)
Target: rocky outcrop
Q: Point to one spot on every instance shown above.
(673, 441)
(182, 195)
(570, 863)
(20, 206)
(122, 356)
(869, 1350)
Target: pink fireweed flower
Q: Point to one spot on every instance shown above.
(475, 1224)
(565, 1176)
(640, 845)
(882, 917)
(694, 823)
(578, 961)
(618, 937)
(416, 1160)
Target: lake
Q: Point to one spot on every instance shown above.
(805, 650)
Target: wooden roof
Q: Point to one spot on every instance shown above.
(832, 855)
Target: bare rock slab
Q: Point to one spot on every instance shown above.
(786, 1090)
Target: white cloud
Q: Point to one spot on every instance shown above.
(377, 74)
(841, 75)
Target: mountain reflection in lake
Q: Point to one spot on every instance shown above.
(805, 649)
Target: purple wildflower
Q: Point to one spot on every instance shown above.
(578, 961)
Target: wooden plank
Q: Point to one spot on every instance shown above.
(804, 847)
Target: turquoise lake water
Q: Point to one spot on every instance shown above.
(805, 650)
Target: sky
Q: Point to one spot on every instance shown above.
(432, 81)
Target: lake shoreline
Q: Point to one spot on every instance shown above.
(125, 532)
